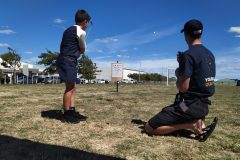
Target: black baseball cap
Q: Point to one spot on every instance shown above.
(193, 27)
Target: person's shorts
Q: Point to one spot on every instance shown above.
(67, 69)
(174, 114)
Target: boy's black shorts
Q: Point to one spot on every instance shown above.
(173, 114)
(67, 69)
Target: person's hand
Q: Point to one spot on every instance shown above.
(177, 72)
(179, 55)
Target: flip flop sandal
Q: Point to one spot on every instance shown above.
(210, 126)
(138, 121)
(207, 131)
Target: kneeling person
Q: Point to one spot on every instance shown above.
(195, 77)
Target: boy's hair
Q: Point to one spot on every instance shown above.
(81, 16)
(194, 36)
(193, 28)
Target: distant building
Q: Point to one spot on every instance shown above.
(106, 73)
(126, 72)
(8, 72)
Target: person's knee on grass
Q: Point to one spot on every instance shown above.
(148, 129)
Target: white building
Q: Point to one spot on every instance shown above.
(8, 72)
(126, 72)
(106, 73)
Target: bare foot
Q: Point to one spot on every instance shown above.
(203, 124)
(197, 127)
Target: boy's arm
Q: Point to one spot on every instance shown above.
(82, 42)
(184, 72)
(182, 82)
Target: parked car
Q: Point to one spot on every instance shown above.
(49, 80)
(128, 81)
(124, 81)
(106, 81)
(100, 81)
(133, 81)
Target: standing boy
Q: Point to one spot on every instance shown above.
(72, 46)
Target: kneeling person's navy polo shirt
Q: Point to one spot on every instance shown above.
(198, 63)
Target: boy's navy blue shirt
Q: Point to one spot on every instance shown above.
(73, 39)
(198, 63)
(70, 45)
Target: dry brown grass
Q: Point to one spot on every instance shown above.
(108, 130)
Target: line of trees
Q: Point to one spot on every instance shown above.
(150, 77)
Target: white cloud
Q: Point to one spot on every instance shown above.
(158, 64)
(228, 67)
(58, 21)
(32, 60)
(94, 51)
(28, 52)
(227, 63)
(4, 45)
(229, 52)
(106, 40)
(234, 29)
(134, 38)
(237, 36)
(123, 50)
(5, 26)
(122, 56)
(99, 51)
(150, 66)
(112, 51)
(155, 54)
(7, 31)
(102, 57)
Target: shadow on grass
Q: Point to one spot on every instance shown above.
(52, 114)
(180, 133)
(21, 149)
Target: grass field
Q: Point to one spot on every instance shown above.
(26, 133)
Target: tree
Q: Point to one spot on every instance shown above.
(49, 61)
(148, 77)
(134, 76)
(11, 60)
(86, 68)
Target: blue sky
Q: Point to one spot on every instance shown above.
(143, 34)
